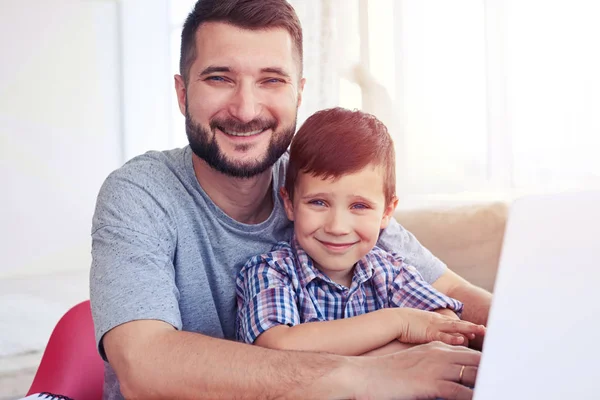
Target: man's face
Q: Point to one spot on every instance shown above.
(242, 97)
(337, 221)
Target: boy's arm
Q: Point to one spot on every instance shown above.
(476, 300)
(348, 336)
(364, 333)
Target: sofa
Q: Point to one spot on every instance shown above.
(467, 238)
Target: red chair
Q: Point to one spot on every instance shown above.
(71, 365)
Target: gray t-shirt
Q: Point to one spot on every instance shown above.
(162, 250)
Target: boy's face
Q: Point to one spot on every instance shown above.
(337, 222)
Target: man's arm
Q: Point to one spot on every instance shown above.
(476, 301)
(152, 360)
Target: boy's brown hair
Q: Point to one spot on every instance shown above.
(337, 141)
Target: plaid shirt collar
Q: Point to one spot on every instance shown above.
(307, 272)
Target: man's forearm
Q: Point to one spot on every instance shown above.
(476, 302)
(184, 365)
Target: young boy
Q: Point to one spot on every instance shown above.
(331, 288)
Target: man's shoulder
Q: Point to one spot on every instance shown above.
(151, 164)
(144, 186)
(151, 172)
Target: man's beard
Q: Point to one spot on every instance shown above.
(205, 145)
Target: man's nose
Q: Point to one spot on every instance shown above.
(245, 104)
(337, 223)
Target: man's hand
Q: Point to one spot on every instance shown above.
(422, 372)
(418, 326)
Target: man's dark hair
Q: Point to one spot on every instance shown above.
(247, 14)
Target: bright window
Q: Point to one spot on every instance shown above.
(488, 95)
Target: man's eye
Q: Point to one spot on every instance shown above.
(273, 80)
(216, 79)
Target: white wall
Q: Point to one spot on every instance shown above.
(60, 128)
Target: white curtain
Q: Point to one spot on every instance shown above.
(493, 96)
(319, 23)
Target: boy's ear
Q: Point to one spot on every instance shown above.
(287, 203)
(388, 214)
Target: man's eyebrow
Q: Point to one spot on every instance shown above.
(214, 68)
(275, 70)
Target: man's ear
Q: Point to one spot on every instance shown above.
(180, 90)
(388, 214)
(287, 203)
(300, 91)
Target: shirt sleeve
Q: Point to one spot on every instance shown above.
(132, 275)
(410, 290)
(398, 240)
(265, 297)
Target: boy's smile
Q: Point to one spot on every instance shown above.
(337, 221)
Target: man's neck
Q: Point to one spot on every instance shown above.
(246, 200)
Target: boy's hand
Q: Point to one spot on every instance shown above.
(451, 314)
(418, 326)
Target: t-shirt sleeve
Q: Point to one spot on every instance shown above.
(265, 297)
(132, 275)
(398, 240)
(410, 290)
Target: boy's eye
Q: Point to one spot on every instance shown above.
(319, 203)
(360, 206)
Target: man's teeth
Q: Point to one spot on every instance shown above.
(243, 133)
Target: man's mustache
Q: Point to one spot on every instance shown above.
(232, 125)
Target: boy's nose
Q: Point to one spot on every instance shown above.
(337, 224)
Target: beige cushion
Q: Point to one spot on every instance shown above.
(468, 239)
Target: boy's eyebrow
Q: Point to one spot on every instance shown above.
(361, 198)
(313, 195)
(353, 197)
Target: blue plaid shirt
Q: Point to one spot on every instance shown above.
(283, 287)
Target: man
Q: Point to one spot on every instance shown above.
(172, 230)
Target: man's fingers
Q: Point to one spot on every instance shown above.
(453, 374)
(455, 355)
(453, 391)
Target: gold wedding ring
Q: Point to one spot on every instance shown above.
(462, 371)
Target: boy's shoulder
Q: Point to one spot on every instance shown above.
(387, 260)
(385, 256)
(281, 257)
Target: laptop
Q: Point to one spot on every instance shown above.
(543, 338)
